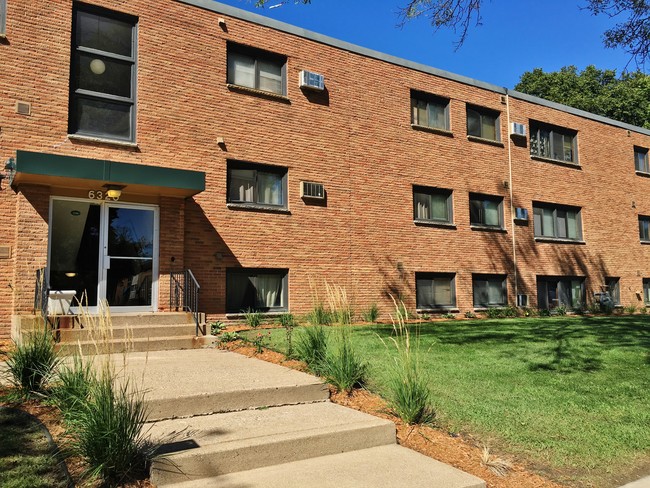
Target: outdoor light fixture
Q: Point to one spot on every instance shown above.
(71, 274)
(97, 66)
(114, 191)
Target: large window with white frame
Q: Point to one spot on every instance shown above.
(554, 221)
(551, 142)
(256, 69)
(432, 205)
(256, 289)
(435, 291)
(103, 74)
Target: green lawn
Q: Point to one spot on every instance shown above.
(26, 460)
(568, 393)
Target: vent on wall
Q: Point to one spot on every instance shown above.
(310, 189)
(313, 81)
(23, 108)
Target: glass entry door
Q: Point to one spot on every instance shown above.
(105, 251)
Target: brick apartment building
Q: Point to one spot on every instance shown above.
(234, 162)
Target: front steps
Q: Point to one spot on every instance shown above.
(128, 332)
(276, 428)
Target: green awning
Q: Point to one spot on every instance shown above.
(58, 170)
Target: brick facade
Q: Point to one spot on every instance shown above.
(356, 139)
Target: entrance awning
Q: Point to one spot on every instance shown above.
(73, 172)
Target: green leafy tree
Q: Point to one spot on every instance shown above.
(625, 98)
(631, 32)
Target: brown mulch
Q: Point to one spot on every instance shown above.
(459, 451)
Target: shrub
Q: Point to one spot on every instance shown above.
(448, 316)
(217, 327)
(32, 363)
(371, 314)
(228, 336)
(107, 432)
(311, 347)
(425, 316)
(544, 312)
(470, 315)
(594, 308)
(343, 368)
(319, 316)
(501, 312)
(630, 309)
(530, 312)
(408, 392)
(73, 388)
(288, 321)
(253, 318)
(643, 310)
(561, 310)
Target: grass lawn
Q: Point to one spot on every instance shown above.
(25, 457)
(567, 393)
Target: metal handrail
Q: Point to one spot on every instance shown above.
(184, 294)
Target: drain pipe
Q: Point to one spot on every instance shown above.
(512, 207)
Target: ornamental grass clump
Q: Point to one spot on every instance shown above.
(32, 363)
(343, 367)
(408, 391)
(311, 347)
(73, 388)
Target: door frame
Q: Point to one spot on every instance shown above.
(103, 250)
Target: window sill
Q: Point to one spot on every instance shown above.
(451, 309)
(488, 228)
(569, 164)
(258, 208)
(254, 91)
(101, 140)
(558, 240)
(482, 140)
(642, 173)
(645, 243)
(433, 223)
(485, 309)
(433, 130)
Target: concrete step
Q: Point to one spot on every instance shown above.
(121, 331)
(118, 346)
(214, 445)
(205, 381)
(150, 318)
(390, 466)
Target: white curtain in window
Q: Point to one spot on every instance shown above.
(269, 188)
(491, 213)
(242, 70)
(269, 290)
(242, 185)
(270, 76)
(422, 206)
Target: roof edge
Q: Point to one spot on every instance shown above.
(238, 13)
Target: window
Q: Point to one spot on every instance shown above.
(614, 289)
(3, 17)
(432, 205)
(483, 123)
(103, 77)
(560, 291)
(489, 291)
(429, 111)
(253, 68)
(557, 221)
(256, 289)
(435, 290)
(644, 228)
(486, 210)
(256, 184)
(641, 160)
(551, 142)
(646, 291)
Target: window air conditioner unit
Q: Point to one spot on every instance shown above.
(517, 129)
(521, 213)
(522, 300)
(310, 189)
(313, 81)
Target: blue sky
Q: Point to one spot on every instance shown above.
(516, 35)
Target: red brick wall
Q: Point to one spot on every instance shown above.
(357, 141)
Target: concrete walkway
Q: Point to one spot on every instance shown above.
(642, 483)
(227, 420)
